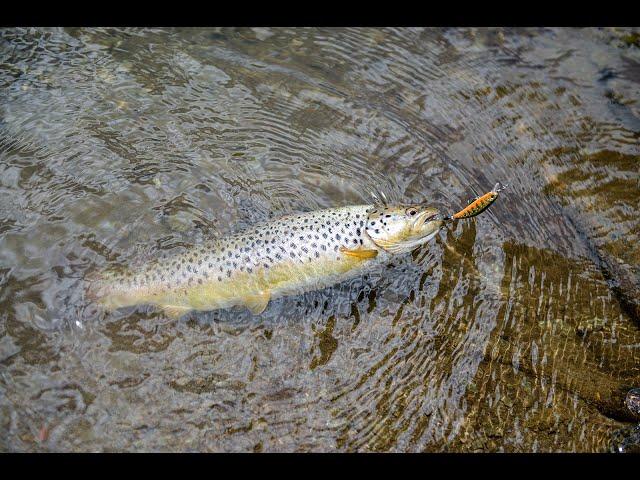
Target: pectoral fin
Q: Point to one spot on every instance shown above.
(360, 253)
(174, 312)
(257, 303)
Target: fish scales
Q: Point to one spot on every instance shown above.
(290, 255)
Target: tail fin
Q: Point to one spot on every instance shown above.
(96, 288)
(105, 288)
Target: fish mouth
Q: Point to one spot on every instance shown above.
(428, 224)
(429, 215)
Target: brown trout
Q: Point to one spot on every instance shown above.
(286, 256)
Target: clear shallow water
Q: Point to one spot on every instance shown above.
(518, 331)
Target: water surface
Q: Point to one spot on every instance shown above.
(516, 331)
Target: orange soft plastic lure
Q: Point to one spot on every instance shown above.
(480, 204)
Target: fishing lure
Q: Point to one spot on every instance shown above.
(480, 204)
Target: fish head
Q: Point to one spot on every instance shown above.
(402, 228)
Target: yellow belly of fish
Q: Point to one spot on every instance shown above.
(253, 290)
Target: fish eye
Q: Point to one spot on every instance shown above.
(411, 211)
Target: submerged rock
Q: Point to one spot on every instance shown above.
(626, 440)
(632, 401)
